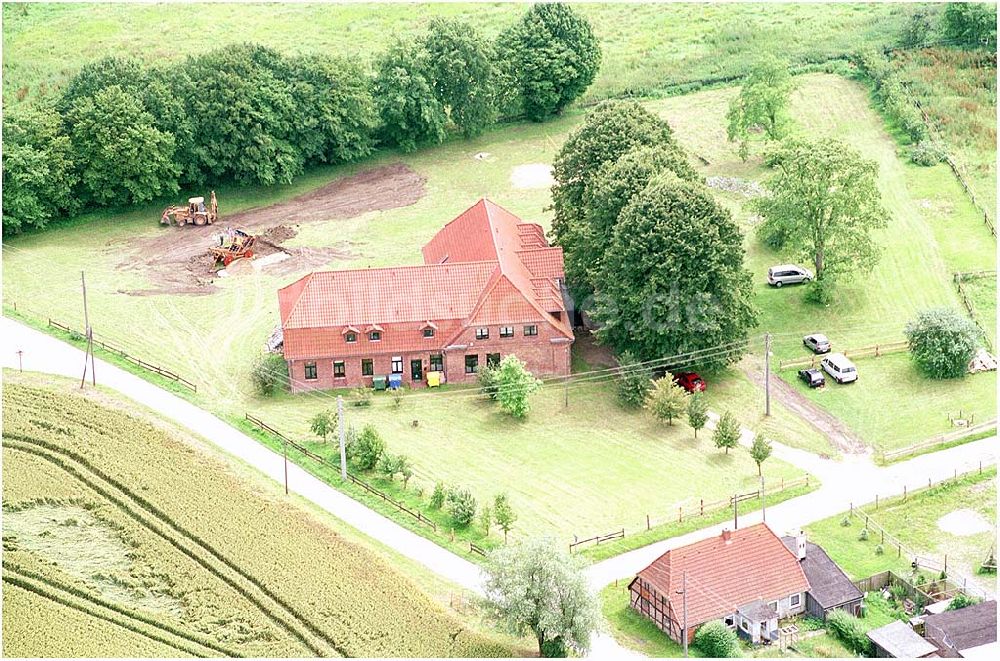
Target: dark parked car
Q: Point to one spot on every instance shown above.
(817, 343)
(814, 378)
(690, 381)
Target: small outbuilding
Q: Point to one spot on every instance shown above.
(829, 586)
(957, 632)
(898, 640)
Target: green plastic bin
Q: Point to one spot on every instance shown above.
(379, 383)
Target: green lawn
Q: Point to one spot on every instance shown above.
(983, 294)
(646, 46)
(915, 522)
(920, 406)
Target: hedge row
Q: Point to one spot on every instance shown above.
(121, 133)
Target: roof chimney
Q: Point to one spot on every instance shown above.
(800, 546)
(726, 535)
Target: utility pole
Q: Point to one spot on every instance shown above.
(90, 338)
(284, 453)
(767, 374)
(684, 608)
(343, 447)
(763, 505)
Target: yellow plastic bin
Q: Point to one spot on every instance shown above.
(433, 379)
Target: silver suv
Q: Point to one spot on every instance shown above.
(788, 274)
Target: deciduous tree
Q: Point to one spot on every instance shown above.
(942, 342)
(536, 587)
(971, 23)
(824, 199)
(760, 451)
(410, 112)
(504, 514)
(552, 56)
(462, 66)
(727, 432)
(673, 280)
(323, 423)
(461, 506)
(666, 400)
(124, 158)
(697, 411)
(762, 104)
(633, 382)
(514, 384)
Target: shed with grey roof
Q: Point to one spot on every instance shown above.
(899, 641)
(829, 587)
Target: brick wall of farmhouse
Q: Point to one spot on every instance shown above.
(543, 357)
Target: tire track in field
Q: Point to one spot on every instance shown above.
(52, 590)
(161, 524)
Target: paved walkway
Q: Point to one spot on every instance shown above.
(853, 479)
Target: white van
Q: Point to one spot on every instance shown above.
(840, 368)
(788, 274)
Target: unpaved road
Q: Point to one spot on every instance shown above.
(835, 431)
(177, 260)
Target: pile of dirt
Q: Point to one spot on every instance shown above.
(964, 522)
(743, 187)
(179, 263)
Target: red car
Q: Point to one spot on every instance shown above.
(690, 381)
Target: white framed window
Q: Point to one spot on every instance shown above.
(774, 606)
(795, 600)
(506, 331)
(397, 364)
(482, 333)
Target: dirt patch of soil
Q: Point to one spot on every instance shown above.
(586, 349)
(835, 431)
(964, 522)
(179, 263)
(531, 176)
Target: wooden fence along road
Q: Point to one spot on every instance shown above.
(700, 509)
(871, 351)
(940, 439)
(263, 426)
(173, 376)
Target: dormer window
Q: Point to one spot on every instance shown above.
(375, 336)
(428, 332)
(350, 336)
(428, 328)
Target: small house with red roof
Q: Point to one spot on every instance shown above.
(490, 286)
(747, 578)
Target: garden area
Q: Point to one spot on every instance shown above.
(954, 519)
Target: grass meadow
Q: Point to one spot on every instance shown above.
(647, 47)
(915, 522)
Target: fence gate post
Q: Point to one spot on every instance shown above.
(701, 506)
(680, 514)
(647, 522)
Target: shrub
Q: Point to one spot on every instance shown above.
(879, 550)
(821, 291)
(666, 400)
(514, 385)
(850, 630)
(942, 342)
(863, 535)
(961, 600)
(461, 506)
(928, 153)
(634, 381)
(389, 464)
(846, 521)
(716, 640)
(368, 448)
(438, 495)
(269, 373)
(363, 396)
(554, 649)
(487, 378)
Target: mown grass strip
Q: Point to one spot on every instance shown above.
(182, 540)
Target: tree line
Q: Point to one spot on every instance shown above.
(122, 133)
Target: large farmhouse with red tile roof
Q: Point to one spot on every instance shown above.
(747, 578)
(490, 286)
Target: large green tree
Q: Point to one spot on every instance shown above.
(673, 280)
(536, 587)
(408, 106)
(610, 131)
(39, 173)
(762, 104)
(551, 56)
(942, 342)
(124, 158)
(971, 23)
(245, 115)
(513, 385)
(463, 70)
(336, 118)
(825, 203)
